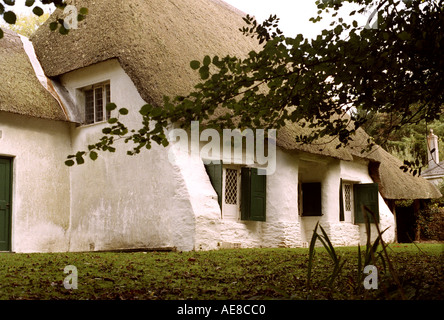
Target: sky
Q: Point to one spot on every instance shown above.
(294, 14)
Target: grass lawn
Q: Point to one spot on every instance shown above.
(225, 274)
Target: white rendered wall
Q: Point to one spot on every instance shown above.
(40, 186)
(120, 201)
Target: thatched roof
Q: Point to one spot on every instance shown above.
(384, 168)
(393, 182)
(20, 90)
(286, 139)
(153, 40)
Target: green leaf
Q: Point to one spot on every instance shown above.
(113, 120)
(207, 61)
(204, 72)
(53, 26)
(1, 33)
(9, 2)
(145, 109)
(38, 11)
(111, 106)
(84, 11)
(29, 3)
(80, 17)
(79, 159)
(63, 30)
(123, 111)
(93, 155)
(10, 17)
(69, 163)
(195, 64)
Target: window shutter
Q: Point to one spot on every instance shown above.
(215, 173)
(366, 195)
(245, 194)
(253, 195)
(258, 196)
(341, 203)
(311, 199)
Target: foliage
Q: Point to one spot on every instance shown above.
(394, 69)
(408, 142)
(370, 257)
(430, 222)
(10, 17)
(225, 274)
(26, 25)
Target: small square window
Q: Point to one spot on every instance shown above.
(96, 99)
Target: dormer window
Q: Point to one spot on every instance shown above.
(96, 98)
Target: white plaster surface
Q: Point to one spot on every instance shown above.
(148, 200)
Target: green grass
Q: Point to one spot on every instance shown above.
(224, 274)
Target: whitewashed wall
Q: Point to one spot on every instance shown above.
(120, 201)
(160, 198)
(284, 227)
(40, 186)
(329, 172)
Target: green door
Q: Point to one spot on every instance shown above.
(5, 204)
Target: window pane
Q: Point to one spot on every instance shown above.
(347, 196)
(98, 97)
(231, 186)
(107, 100)
(89, 106)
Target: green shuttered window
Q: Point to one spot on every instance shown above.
(253, 191)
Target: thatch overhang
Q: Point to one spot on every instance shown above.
(20, 91)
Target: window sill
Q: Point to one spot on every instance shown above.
(93, 124)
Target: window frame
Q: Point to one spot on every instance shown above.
(348, 214)
(246, 176)
(237, 214)
(317, 209)
(98, 114)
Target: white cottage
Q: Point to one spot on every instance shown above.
(131, 53)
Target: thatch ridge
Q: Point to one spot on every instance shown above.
(21, 92)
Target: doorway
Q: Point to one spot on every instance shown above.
(5, 203)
